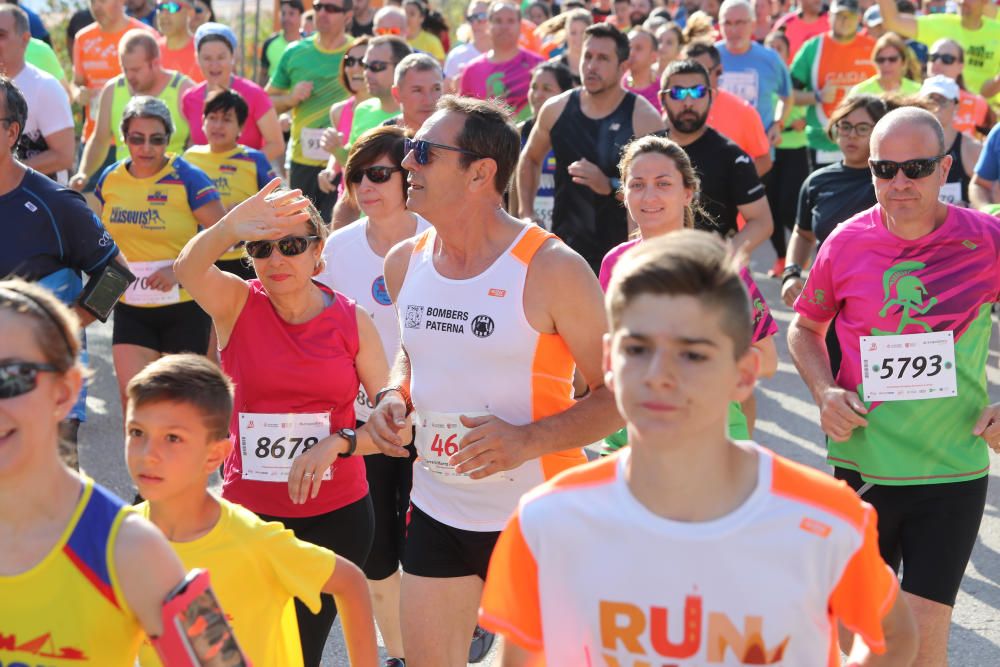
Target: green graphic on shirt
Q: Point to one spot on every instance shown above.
(910, 294)
(495, 86)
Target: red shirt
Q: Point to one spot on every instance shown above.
(279, 367)
(798, 30)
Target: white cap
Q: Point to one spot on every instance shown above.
(941, 85)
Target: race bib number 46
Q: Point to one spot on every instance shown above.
(908, 367)
(437, 440)
(270, 442)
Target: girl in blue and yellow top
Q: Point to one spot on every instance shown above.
(81, 577)
(153, 203)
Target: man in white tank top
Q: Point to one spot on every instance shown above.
(495, 315)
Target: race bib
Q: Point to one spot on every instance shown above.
(908, 367)
(437, 439)
(743, 85)
(828, 157)
(269, 442)
(139, 293)
(951, 193)
(363, 406)
(312, 144)
(543, 211)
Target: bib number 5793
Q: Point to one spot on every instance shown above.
(898, 367)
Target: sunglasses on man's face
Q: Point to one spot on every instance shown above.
(330, 9)
(946, 58)
(170, 7)
(422, 150)
(290, 246)
(477, 17)
(20, 377)
(376, 174)
(376, 65)
(678, 93)
(886, 170)
(387, 31)
(152, 140)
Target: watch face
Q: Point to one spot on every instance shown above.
(349, 432)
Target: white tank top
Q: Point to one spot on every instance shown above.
(472, 351)
(355, 270)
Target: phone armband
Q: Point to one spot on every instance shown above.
(102, 291)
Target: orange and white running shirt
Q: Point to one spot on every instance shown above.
(473, 352)
(586, 575)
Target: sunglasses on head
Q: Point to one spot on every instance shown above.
(678, 93)
(330, 9)
(290, 246)
(881, 60)
(387, 31)
(912, 169)
(351, 61)
(19, 377)
(376, 174)
(376, 65)
(946, 58)
(170, 7)
(422, 150)
(152, 140)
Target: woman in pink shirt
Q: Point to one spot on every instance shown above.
(215, 45)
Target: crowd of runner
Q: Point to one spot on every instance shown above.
(393, 288)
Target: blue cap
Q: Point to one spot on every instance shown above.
(216, 30)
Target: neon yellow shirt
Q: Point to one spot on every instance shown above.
(982, 47)
(429, 44)
(873, 87)
(257, 570)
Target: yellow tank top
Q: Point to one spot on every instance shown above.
(69, 610)
(170, 96)
(151, 219)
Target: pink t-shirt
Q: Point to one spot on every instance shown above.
(763, 322)
(650, 92)
(193, 103)
(509, 81)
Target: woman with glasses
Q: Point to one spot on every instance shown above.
(352, 75)
(153, 202)
(215, 46)
(834, 193)
(202, 14)
(376, 183)
(297, 352)
(75, 559)
(898, 69)
(973, 115)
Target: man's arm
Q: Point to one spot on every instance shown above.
(763, 163)
(904, 25)
(981, 193)
(100, 141)
(529, 167)
(285, 100)
(86, 317)
(758, 227)
(60, 153)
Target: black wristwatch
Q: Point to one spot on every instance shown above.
(791, 271)
(352, 439)
(405, 395)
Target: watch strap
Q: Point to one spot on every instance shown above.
(352, 440)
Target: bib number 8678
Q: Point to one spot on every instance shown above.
(919, 365)
(445, 447)
(277, 450)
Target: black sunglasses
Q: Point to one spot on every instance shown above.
(290, 246)
(946, 58)
(330, 9)
(152, 140)
(19, 377)
(912, 169)
(477, 16)
(376, 174)
(882, 60)
(351, 61)
(422, 150)
(376, 65)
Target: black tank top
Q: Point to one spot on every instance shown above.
(952, 194)
(590, 223)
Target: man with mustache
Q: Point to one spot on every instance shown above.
(729, 181)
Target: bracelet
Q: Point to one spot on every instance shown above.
(791, 271)
(405, 395)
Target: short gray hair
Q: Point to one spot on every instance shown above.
(20, 17)
(730, 4)
(420, 62)
(145, 106)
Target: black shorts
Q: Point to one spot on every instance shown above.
(434, 549)
(240, 267)
(179, 327)
(929, 528)
(389, 481)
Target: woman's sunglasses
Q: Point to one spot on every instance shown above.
(946, 58)
(678, 93)
(422, 150)
(882, 60)
(19, 377)
(377, 174)
(290, 246)
(912, 169)
(351, 61)
(170, 7)
(152, 140)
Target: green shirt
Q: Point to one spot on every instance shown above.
(739, 429)
(44, 58)
(982, 47)
(306, 61)
(368, 114)
(794, 138)
(873, 87)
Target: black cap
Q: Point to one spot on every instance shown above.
(845, 6)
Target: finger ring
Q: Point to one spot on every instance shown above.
(309, 474)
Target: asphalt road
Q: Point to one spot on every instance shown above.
(787, 423)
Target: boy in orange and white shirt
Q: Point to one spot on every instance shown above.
(715, 552)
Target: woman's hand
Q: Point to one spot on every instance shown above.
(266, 217)
(332, 140)
(163, 279)
(306, 475)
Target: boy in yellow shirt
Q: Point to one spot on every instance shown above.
(176, 434)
